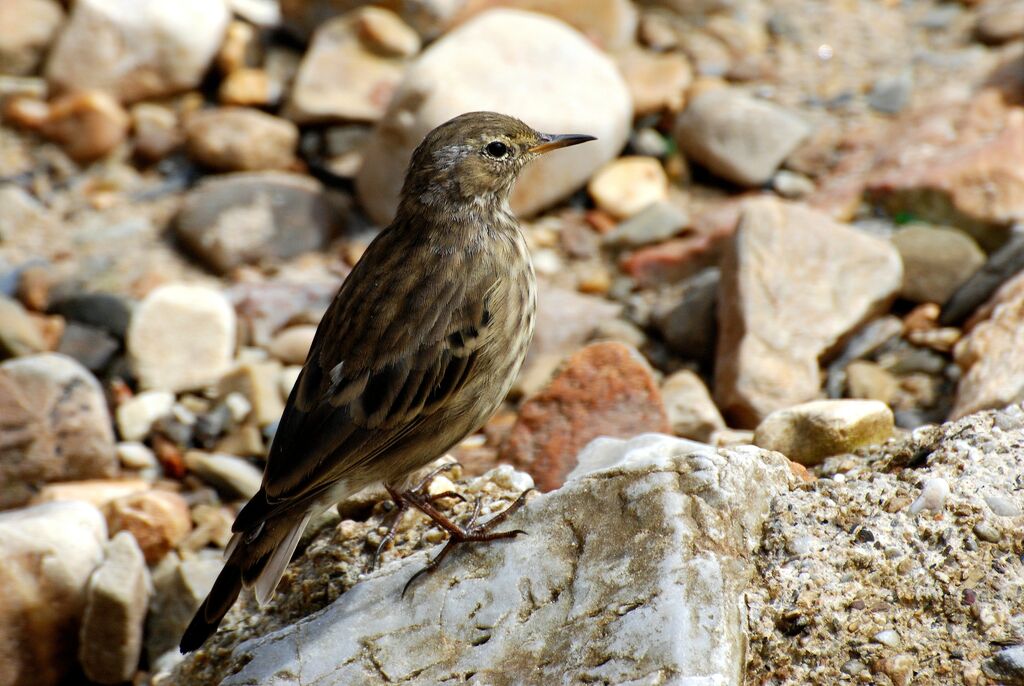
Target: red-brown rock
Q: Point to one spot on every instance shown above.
(605, 389)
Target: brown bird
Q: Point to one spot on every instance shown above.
(418, 349)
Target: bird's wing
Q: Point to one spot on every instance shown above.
(387, 355)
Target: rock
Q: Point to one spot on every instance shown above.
(774, 322)
(181, 337)
(792, 185)
(1002, 266)
(810, 432)
(97, 492)
(47, 553)
(869, 381)
(19, 334)
(137, 49)
(247, 87)
(22, 215)
(93, 348)
(158, 520)
(890, 94)
(385, 32)
(258, 382)
(657, 81)
(27, 27)
(936, 261)
(291, 345)
(56, 426)
(239, 219)
(845, 558)
(472, 68)
(233, 474)
(105, 311)
(656, 222)
(627, 185)
(87, 124)
(135, 416)
(1000, 22)
(606, 389)
(1006, 666)
(740, 138)
(691, 412)
(344, 74)
(178, 588)
(241, 139)
(687, 321)
(695, 510)
(157, 130)
(116, 600)
(609, 24)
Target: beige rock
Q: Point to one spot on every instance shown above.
(137, 49)
(158, 520)
(116, 600)
(870, 381)
(87, 124)
(610, 24)
(993, 368)
(258, 382)
(386, 33)
(936, 261)
(19, 334)
(233, 474)
(657, 81)
(810, 432)
(157, 130)
(136, 415)
(181, 337)
(291, 345)
(246, 87)
(97, 492)
(344, 76)
(47, 554)
(691, 412)
(241, 139)
(240, 47)
(627, 185)
(500, 61)
(793, 283)
(26, 29)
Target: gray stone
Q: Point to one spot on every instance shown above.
(93, 348)
(936, 261)
(890, 94)
(553, 607)
(179, 586)
(740, 138)
(56, 426)
(116, 600)
(1006, 666)
(499, 61)
(47, 553)
(1001, 265)
(686, 317)
(105, 311)
(137, 49)
(658, 222)
(239, 219)
(19, 334)
(233, 474)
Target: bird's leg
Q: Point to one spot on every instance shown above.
(402, 503)
(471, 533)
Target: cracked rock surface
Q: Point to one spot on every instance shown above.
(632, 573)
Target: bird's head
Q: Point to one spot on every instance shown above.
(475, 158)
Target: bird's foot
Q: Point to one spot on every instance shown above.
(471, 533)
(402, 501)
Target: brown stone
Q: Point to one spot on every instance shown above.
(606, 389)
(87, 124)
(241, 139)
(158, 520)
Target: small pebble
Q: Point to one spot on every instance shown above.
(987, 532)
(1002, 506)
(887, 638)
(933, 496)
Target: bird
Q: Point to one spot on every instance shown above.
(417, 350)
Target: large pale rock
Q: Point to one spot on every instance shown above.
(47, 553)
(740, 138)
(634, 570)
(500, 61)
(810, 432)
(136, 49)
(182, 337)
(606, 389)
(793, 284)
(26, 29)
(55, 427)
(611, 24)
(116, 601)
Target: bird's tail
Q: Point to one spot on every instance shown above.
(255, 559)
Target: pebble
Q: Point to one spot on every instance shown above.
(936, 261)
(234, 475)
(19, 334)
(116, 601)
(291, 345)
(92, 347)
(810, 432)
(890, 94)
(259, 383)
(289, 377)
(869, 381)
(29, 26)
(933, 496)
(888, 637)
(1002, 506)
(179, 586)
(96, 492)
(56, 426)
(156, 129)
(691, 412)
(87, 124)
(158, 520)
(687, 317)
(162, 48)
(792, 185)
(657, 81)
(247, 88)
(740, 138)
(1006, 666)
(386, 33)
(136, 456)
(499, 61)
(1000, 22)
(239, 219)
(181, 337)
(627, 185)
(105, 311)
(241, 139)
(344, 75)
(135, 416)
(988, 533)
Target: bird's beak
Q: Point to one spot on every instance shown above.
(549, 142)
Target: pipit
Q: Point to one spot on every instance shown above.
(418, 349)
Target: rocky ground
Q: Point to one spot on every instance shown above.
(796, 230)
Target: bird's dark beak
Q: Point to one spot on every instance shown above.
(549, 141)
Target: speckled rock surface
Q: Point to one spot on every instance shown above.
(545, 608)
(902, 568)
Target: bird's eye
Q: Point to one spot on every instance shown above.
(496, 149)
